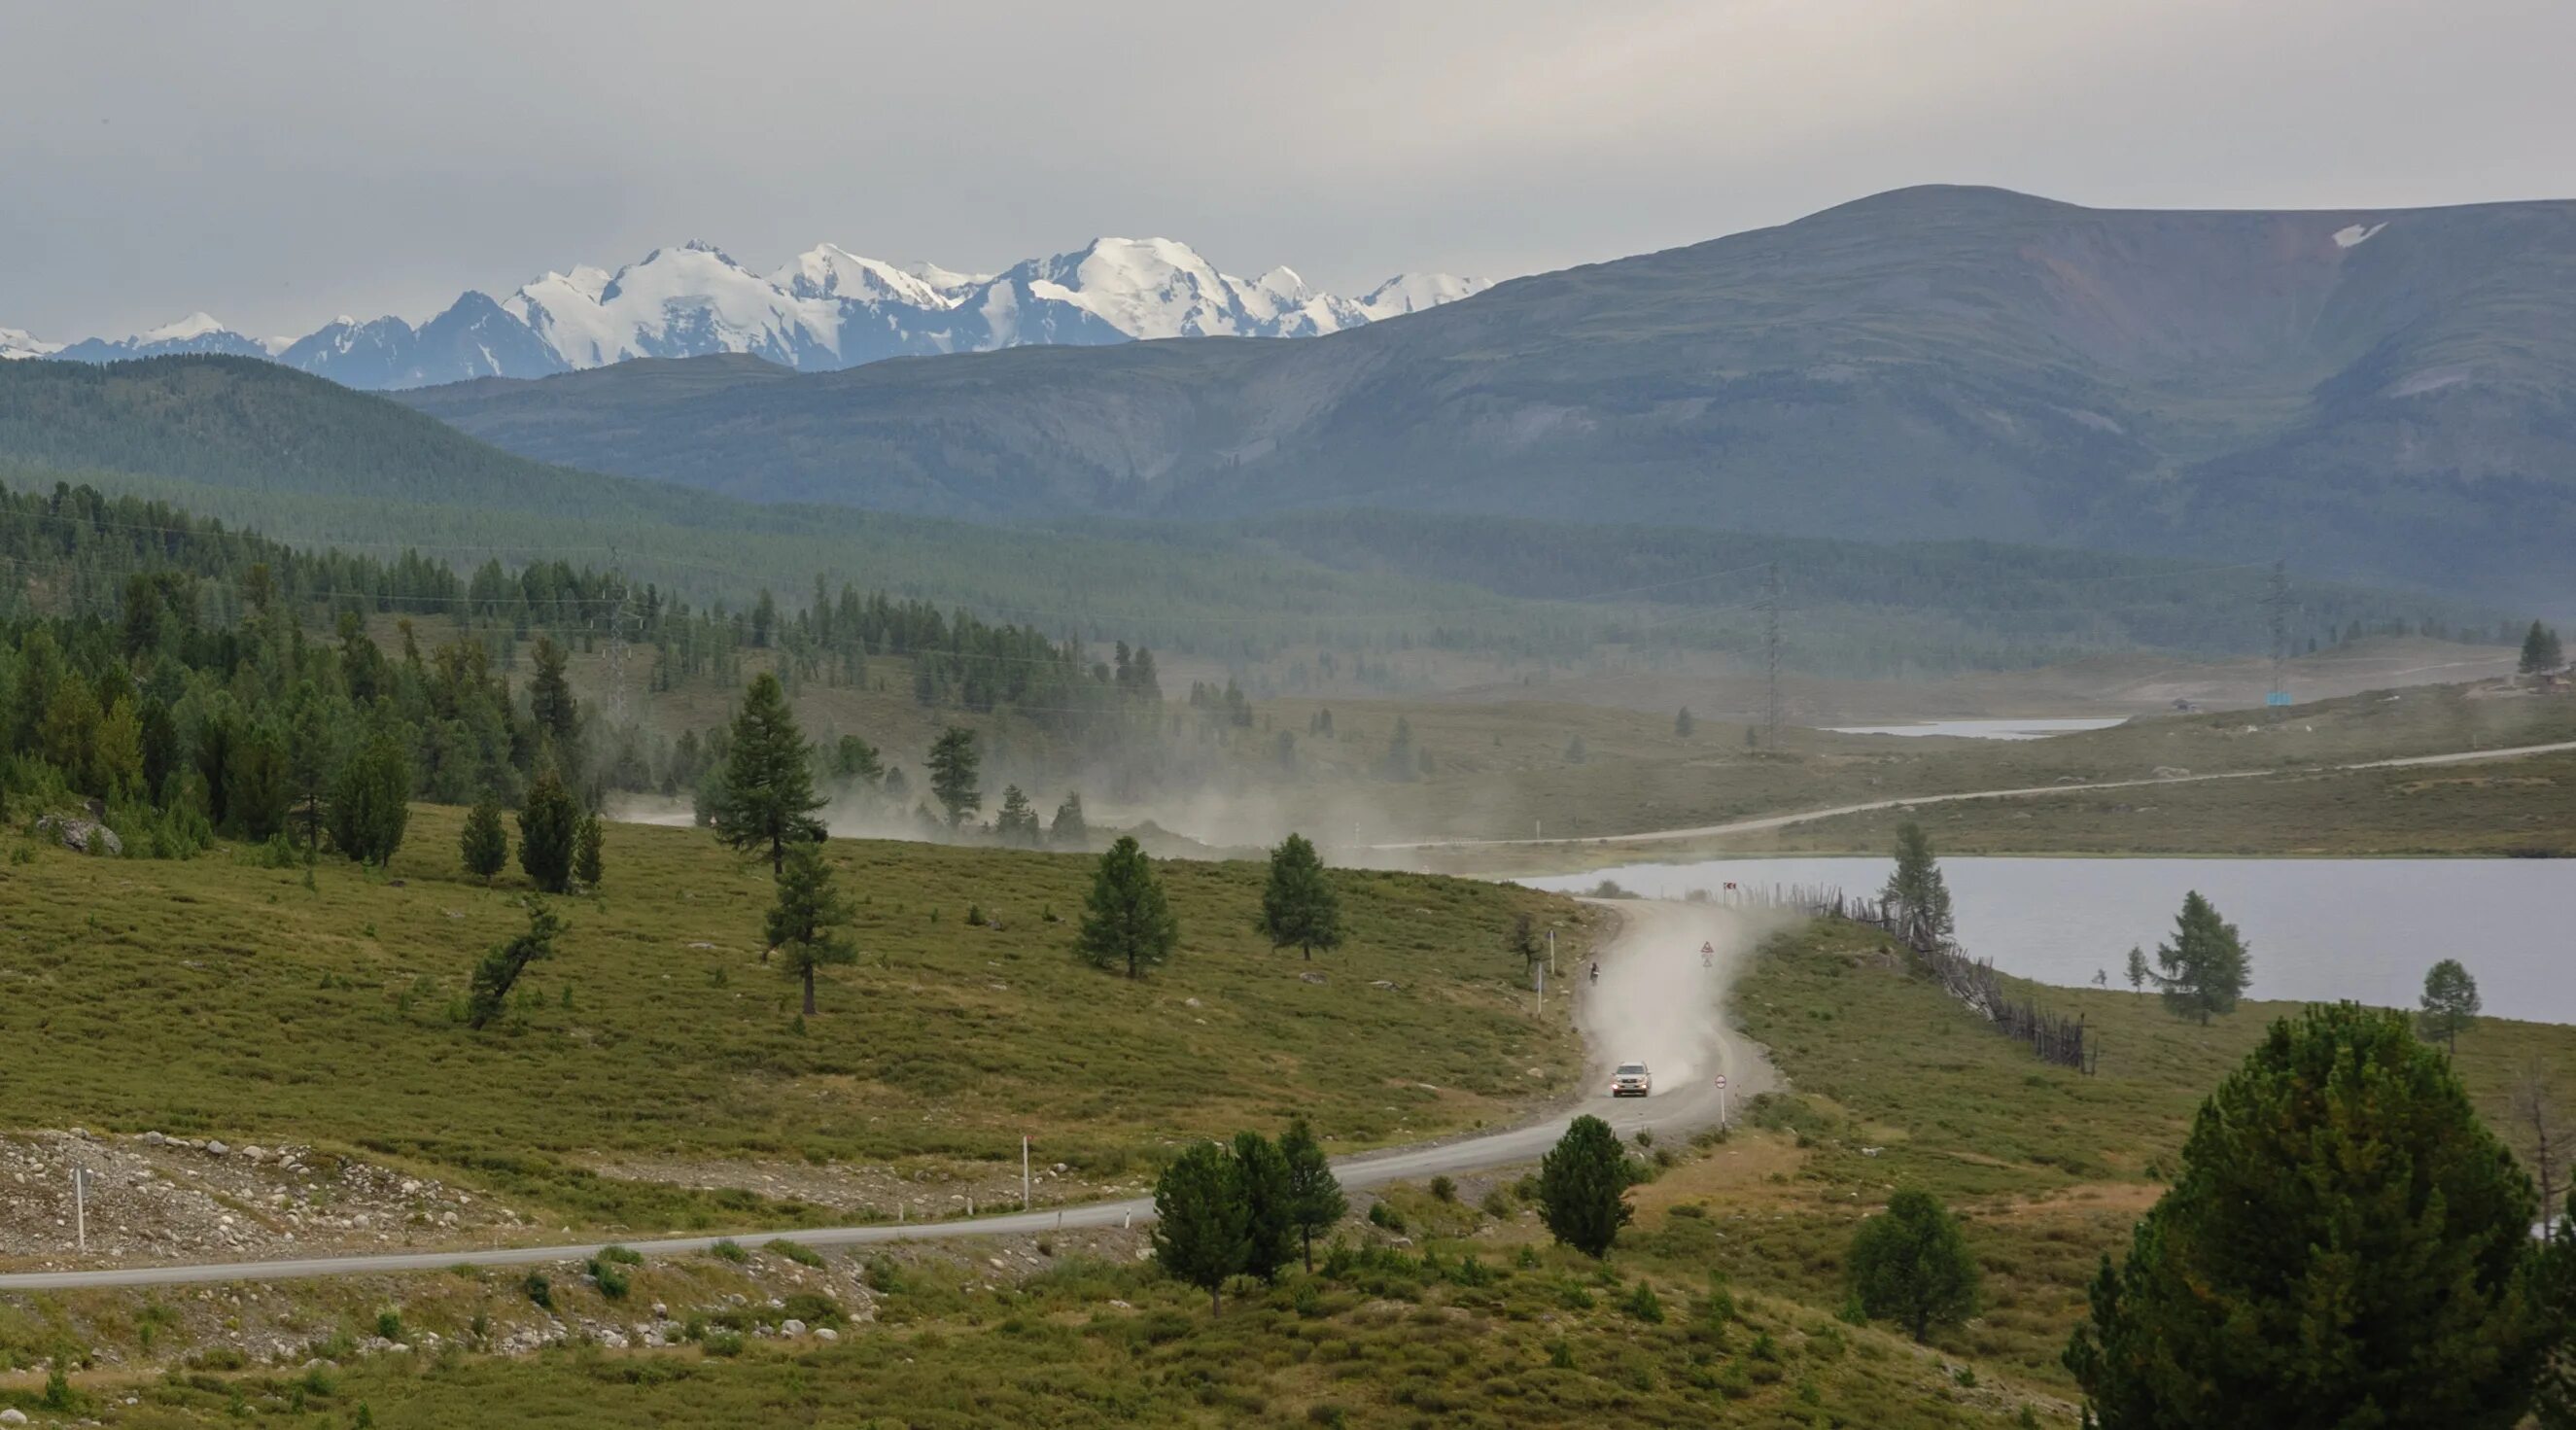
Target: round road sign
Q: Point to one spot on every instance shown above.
(1721, 1079)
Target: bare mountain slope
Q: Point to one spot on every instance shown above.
(2381, 395)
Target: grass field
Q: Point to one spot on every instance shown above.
(2050, 1165)
(1456, 1311)
(216, 998)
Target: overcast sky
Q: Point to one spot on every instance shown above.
(281, 162)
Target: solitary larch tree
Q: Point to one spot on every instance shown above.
(953, 766)
(1583, 1187)
(1069, 830)
(2450, 1003)
(1298, 906)
(2346, 1244)
(1911, 1265)
(499, 971)
(767, 794)
(2206, 967)
(586, 852)
(1919, 895)
(805, 924)
(1127, 921)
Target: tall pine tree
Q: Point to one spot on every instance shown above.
(1916, 892)
(2205, 968)
(2346, 1245)
(1127, 921)
(484, 847)
(1315, 1200)
(1202, 1226)
(805, 923)
(549, 824)
(767, 794)
(1298, 906)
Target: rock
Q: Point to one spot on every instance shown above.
(153, 1139)
(81, 836)
(826, 1333)
(1191, 1003)
(13, 1416)
(1381, 983)
(215, 1148)
(255, 1153)
(791, 1327)
(1310, 978)
(1059, 1169)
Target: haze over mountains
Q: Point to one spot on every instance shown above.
(824, 310)
(2385, 396)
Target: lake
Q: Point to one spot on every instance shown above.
(2033, 729)
(2318, 929)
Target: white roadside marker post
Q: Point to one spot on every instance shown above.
(1024, 1171)
(80, 1209)
(1721, 1100)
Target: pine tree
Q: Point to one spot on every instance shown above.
(2206, 967)
(2139, 973)
(1127, 920)
(550, 701)
(484, 847)
(2450, 1003)
(548, 821)
(2540, 650)
(1069, 830)
(1016, 823)
(1399, 751)
(1202, 1226)
(1583, 1187)
(1918, 894)
(767, 793)
(1682, 724)
(1315, 1200)
(1270, 1221)
(371, 800)
(2345, 1244)
(1299, 905)
(2553, 1401)
(804, 925)
(1910, 1265)
(953, 764)
(499, 971)
(585, 862)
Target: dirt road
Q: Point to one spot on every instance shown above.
(1782, 821)
(1657, 1002)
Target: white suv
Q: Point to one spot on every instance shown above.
(1632, 1080)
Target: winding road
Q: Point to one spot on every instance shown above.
(1658, 1000)
(1782, 821)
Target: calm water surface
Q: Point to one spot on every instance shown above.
(1982, 729)
(2364, 929)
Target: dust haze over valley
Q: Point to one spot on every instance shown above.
(778, 835)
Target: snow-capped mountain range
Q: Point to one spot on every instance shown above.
(826, 308)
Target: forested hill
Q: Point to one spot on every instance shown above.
(2384, 396)
(330, 470)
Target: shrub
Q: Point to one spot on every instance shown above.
(539, 1290)
(722, 1343)
(1645, 1305)
(1383, 1215)
(1443, 1189)
(389, 1325)
(729, 1250)
(814, 1309)
(797, 1252)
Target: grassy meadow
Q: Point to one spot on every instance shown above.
(217, 998)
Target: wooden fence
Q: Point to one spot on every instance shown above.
(2055, 1037)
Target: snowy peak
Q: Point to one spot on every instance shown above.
(19, 343)
(831, 271)
(1413, 292)
(826, 308)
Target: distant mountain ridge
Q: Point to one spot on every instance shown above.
(2385, 396)
(823, 310)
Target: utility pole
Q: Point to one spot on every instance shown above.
(2277, 601)
(617, 650)
(1771, 656)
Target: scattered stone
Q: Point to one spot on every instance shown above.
(791, 1327)
(215, 1148)
(1310, 978)
(826, 1333)
(13, 1416)
(1191, 1003)
(153, 1139)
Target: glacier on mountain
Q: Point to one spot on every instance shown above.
(826, 308)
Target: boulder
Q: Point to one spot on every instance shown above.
(81, 836)
(1310, 977)
(791, 1327)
